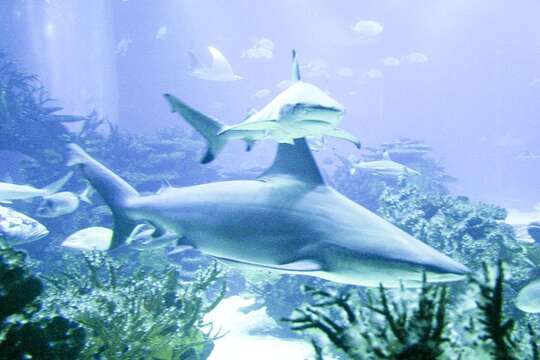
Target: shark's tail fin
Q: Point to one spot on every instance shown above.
(208, 127)
(58, 184)
(117, 193)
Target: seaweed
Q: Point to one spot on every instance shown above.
(394, 325)
(136, 312)
(23, 332)
(406, 333)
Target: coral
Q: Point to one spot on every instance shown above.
(469, 232)
(407, 332)
(136, 312)
(23, 333)
(396, 325)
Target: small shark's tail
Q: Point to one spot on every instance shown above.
(117, 193)
(208, 127)
(57, 185)
(194, 63)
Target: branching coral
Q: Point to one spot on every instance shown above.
(136, 313)
(469, 232)
(22, 334)
(406, 332)
(392, 325)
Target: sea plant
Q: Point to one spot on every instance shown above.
(405, 324)
(23, 332)
(136, 312)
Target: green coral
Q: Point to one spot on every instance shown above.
(24, 333)
(404, 324)
(471, 233)
(136, 313)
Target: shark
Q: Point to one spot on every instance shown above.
(301, 110)
(386, 167)
(9, 191)
(288, 220)
(220, 70)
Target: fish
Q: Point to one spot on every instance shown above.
(63, 203)
(17, 228)
(220, 70)
(528, 298)
(91, 238)
(143, 237)
(288, 220)
(300, 110)
(384, 168)
(9, 191)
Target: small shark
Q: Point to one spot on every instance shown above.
(10, 191)
(528, 298)
(288, 220)
(384, 168)
(220, 70)
(300, 110)
(17, 228)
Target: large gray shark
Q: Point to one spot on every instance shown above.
(288, 220)
(301, 110)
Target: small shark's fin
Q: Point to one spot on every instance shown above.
(297, 161)
(165, 185)
(295, 76)
(207, 126)
(194, 63)
(386, 155)
(58, 184)
(114, 190)
(86, 194)
(345, 135)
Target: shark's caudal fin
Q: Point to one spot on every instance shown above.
(207, 126)
(58, 184)
(114, 190)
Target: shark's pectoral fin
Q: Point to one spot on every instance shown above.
(345, 135)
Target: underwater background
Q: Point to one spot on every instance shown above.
(449, 89)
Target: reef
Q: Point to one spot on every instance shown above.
(420, 325)
(134, 311)
(25, 332)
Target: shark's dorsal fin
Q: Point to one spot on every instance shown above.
(386, 155)
(296, 161)
(295, 76)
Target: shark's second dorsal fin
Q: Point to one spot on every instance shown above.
(296, 161)
(386, 155)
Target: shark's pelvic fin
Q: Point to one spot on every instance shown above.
(207, 126)
(297, 161)
(114, 190)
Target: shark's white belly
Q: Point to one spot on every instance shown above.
(275, 224)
